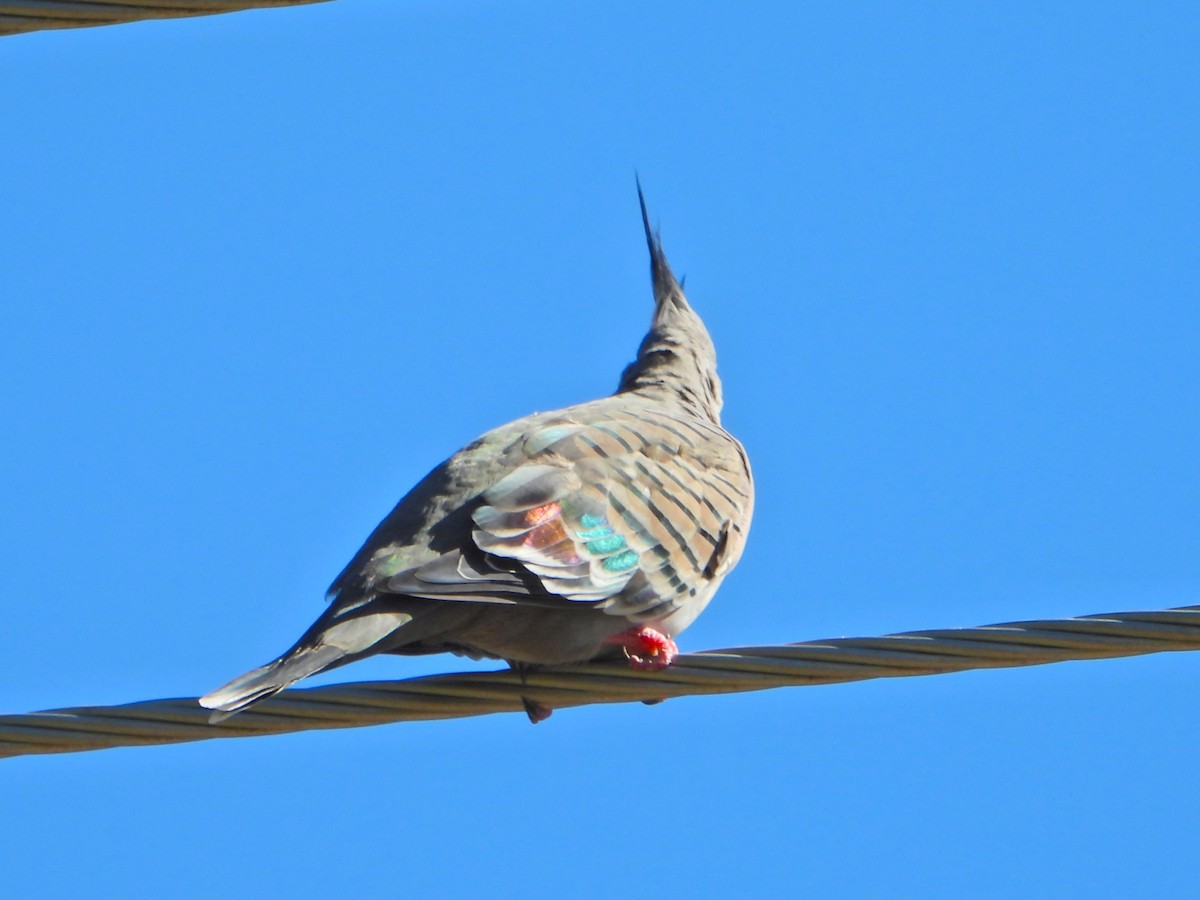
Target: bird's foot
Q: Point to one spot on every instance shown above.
(646, 648)
(536, 711)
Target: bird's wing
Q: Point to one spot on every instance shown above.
(629, 514)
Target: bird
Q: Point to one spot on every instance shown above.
(590, 532)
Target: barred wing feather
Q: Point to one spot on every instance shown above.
(631, 514)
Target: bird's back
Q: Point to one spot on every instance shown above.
(625, 506)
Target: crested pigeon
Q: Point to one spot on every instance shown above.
(562, 537)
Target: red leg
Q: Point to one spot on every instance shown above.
(646, 648)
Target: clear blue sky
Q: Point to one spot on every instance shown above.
(261, 271)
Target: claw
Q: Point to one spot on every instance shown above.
(536, 711)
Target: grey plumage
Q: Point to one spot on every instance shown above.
(561, 537)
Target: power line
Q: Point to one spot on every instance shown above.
(712, 672)
(39, 15)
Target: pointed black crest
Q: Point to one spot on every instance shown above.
(676, 359)
(660, 270)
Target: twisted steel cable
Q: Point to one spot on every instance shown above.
(38, 15)
(712, 672)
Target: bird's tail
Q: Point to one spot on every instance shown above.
(335, 639)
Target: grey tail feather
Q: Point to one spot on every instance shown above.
(339, 636)
(660, 270)
(266, 681)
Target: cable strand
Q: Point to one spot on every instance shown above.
(732, 670)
